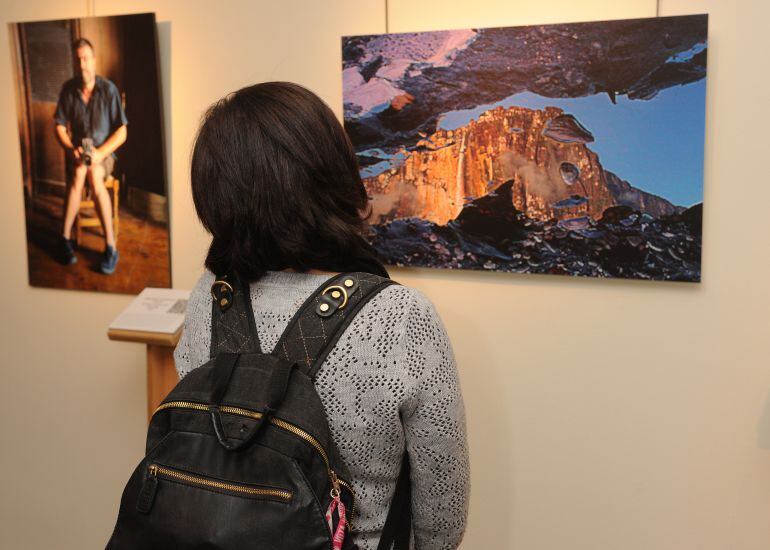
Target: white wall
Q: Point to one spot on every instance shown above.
(603, 414)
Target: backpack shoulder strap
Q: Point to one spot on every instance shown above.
(322, 318)
(233, 327)
(398, 523)
(307, 340)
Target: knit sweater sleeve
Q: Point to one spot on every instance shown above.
(435, 432)
(192, 349)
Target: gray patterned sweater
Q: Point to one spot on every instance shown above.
(394, 357)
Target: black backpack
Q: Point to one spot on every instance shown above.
(239, 455)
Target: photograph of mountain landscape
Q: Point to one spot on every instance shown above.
(573, 149)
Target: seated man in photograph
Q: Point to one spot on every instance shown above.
(90, 126)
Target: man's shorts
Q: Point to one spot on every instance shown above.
(109, 165)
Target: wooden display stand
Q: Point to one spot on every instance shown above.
(161, 374)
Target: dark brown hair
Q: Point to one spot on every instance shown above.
(275, 182)
(80, 42)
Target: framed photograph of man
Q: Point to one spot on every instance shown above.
(92, 153)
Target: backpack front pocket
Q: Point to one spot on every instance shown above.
(156, 472)
(190, 494)
(287, 427)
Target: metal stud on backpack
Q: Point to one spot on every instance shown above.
(239, 455)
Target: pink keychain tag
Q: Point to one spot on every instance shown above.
(338, 535)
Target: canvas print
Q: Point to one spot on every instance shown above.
(93, 170)
(572, 149)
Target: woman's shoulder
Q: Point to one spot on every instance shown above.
(399, 292)
(406, 309)
(408, 297)
(203, 284)
(199, 301)
(394, 301)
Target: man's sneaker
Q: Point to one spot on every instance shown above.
(68, 251)
(110, 260)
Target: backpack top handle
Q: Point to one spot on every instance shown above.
(277, 386)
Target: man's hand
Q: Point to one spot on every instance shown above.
(97, 156)
(115, 140)
(77, 152)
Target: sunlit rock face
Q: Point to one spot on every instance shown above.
(543, 152)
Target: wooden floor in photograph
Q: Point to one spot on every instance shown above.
(143, 248)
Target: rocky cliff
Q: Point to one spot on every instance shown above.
(543, 152)
(628, 195)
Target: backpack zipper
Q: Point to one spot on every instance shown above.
(335, 481)
(157, 470)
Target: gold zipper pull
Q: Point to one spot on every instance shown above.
(154, 470)
(335, 492)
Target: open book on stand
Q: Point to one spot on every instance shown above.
(156, 315)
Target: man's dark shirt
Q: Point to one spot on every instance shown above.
(99, 119)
